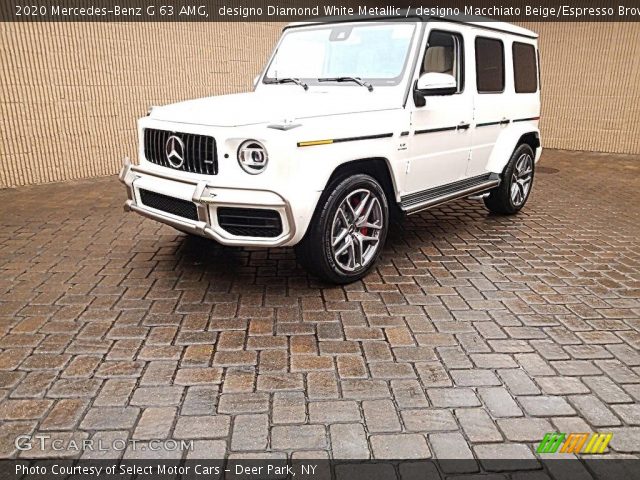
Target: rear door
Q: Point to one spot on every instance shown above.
(491, 100)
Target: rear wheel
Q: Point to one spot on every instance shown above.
(517, 179)
(347, 232)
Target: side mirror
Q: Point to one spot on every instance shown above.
(433, 83)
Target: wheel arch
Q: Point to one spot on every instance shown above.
(508, 141)
(376, 167)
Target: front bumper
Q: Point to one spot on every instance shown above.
(207, 198)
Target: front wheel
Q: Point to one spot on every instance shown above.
(347, 232)
(512, 193)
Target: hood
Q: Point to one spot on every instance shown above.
(262, 107)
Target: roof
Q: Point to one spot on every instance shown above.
(481, 22)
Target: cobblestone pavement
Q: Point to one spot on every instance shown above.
(476, 335)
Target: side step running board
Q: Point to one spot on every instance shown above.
(418, 201)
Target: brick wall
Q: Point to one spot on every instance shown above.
(590, 87)
(70, 93)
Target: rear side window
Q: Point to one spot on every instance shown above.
(489, 65)
(525, 75)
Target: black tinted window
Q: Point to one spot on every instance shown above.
(524, 68)
(489, 65)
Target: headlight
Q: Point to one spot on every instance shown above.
(252, 157)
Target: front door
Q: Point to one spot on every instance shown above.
(440, 138)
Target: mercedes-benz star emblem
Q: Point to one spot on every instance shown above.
(174, 149)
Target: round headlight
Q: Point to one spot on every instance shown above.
(252, 157)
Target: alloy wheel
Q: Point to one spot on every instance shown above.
(356, 228)
(521, 179)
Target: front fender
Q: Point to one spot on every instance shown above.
(508, 141)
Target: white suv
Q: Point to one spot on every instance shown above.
(348, 123)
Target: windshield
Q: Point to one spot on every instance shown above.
(373, 52)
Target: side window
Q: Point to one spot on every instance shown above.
(525, 75)
(444, 55)
(489, 65)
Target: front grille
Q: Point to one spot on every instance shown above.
(250, 222)
(199, 153)
(175, 206)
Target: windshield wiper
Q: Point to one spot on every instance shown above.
(357, 80)
(279, 81)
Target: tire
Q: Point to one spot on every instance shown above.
(517, 180)
(337, 249)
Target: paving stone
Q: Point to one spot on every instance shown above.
(629, 413)
(428, 420)
(74, 388)
(198, 376)
(606, 389)
(474, 378)
(290, 437)
(250, 432)
(546, 406)
(351, 366)
(305, 363)
(380, 416)
(524, 429)
(23, 409)
(8, 433)
(272, 382)
(238, 380)
(155, 423)
(433, 374)
(408, 394)
(159, 373)
(289, 407)
(65, 414)
(322, 385)
(157, 396)
(561, 385)
(399, 446)
(349, 441)
(333, 412)
(236, 403)
(35, 384)
(115, 392)
(594, 411)
(216, 426)
(110, 418)
(200, 400)
(453, 397)
(625, 439)
(452, 446)
(477, 425)
(518, 382)
(499, 402)
(365, 389)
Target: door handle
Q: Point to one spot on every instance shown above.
(504, 121)
(463, 126)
